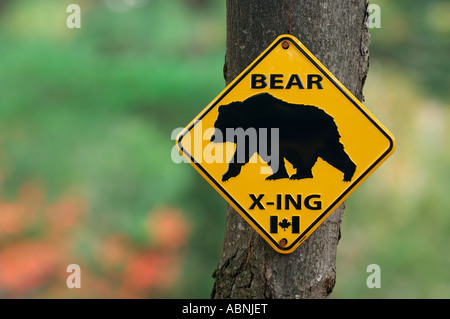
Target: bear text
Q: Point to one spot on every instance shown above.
(276, 81)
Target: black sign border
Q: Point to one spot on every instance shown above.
(319, 219)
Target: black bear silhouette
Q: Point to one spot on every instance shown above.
(305, 133)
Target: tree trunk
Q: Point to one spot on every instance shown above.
(336, 33)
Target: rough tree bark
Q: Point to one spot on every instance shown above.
(336, 33)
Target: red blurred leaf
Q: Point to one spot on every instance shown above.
(168, 227)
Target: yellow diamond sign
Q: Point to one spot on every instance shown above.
(285, 143)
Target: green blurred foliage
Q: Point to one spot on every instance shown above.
(416, 35)
(91, 111)
(398, 218)
(94, 108)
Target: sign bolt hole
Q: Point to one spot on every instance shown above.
(282, 242)
(285, 44)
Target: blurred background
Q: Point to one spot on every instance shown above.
(86, 175)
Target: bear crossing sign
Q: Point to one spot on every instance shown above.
(285, 143)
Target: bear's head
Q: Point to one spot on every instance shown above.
(229, 117)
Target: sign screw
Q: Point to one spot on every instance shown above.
(285, 44)
(282, 242)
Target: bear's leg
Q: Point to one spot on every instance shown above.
(236, 162)
(304, 169)
(233, 170)
(338, 158)
(279, 171)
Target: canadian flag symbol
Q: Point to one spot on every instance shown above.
(294, 224)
